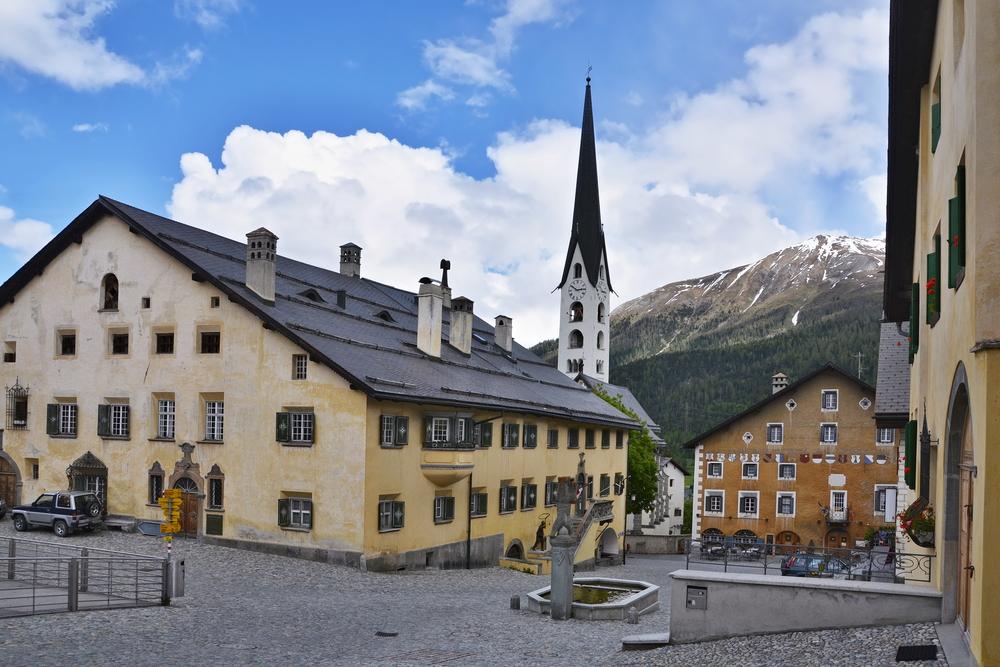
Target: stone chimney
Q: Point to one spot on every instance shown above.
(262, 249)
(778, 382)
(429, 305)
(350, 260)
(503, 332)
(445, 288)
(460, 334)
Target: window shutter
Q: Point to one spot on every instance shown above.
(453, 430)
(308, 505)
(954, 238)
(428, 430)
(283, 426)
(933, 286)
(402, 430)
(914, 320)
(935, 125)
(486, 434)
(514, 432)
(312, 426)
(128, 420)
(910, 455)
(104, 420)
(398, 509)
(470, 425)
(52, 419)
(284, 515)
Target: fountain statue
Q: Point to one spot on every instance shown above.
(564, 541)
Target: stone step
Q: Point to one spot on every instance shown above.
(645, 642)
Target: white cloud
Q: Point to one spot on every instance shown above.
(90, 127)
(476, 62)
(54, 38)
(633, 99)
(24, 236)
(418, 96)
(875, 189)
(209, 14)
(668, 214)
(29, 125)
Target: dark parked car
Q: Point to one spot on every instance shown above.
(814, 565)
(63, 511)
(3, 508)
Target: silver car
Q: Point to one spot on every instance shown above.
(63, 511)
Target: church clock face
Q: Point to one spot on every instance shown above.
(577, 290)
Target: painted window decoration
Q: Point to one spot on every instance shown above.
(786, 504)
(508, 498)
(714, 469)
(214, 420)
(885, 436)
(391, 513)
(747, 438)
(510, 435)
(775, 434)
(530, 436)
(865, 403)
(529, 495)
(830, 400)
(714, 502)
(786, 471)
(791, 404)
(828, 433)
(165, 418)
(444, 509)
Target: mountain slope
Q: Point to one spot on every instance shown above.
(696, 351)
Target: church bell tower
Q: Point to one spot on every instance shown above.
(584, 332)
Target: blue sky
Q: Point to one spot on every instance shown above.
(713, 117)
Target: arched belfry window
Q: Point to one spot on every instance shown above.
(109, 292)
(576, 312)
(578, 270)
(600, 340)
(575, 339)
(600, 312)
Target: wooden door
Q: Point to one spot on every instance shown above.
(966, 495)
(190, 506)
(8, 483)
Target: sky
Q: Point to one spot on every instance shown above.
(726, 130)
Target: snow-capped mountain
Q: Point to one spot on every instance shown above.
(807, 284)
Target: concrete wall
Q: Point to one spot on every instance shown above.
(749, 604)
(655, 544)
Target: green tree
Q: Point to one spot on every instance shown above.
(641, 485)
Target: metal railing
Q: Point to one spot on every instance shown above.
(869, 564)
(42, 578)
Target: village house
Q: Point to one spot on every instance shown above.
(804, 466)
(301, 410)
(942, 288)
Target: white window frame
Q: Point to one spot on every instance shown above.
(708, 470)
(875, 509)
(795, 472)
(119, 420)
(777, 504)
(822, 433)
(767, 433)
(835, 493)
(296, 506)
(166, 418)
(67, 418)
(303, 425)
(388, 432)
(721, 493)
(460, 430)
(836, 400)
(300, 366)
(885, 443)
(439, 429)
(739, 505)
(215, 420)
(743, 470)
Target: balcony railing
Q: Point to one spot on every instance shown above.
(449, 445)
(837, 516)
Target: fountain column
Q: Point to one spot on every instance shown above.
(564, 541)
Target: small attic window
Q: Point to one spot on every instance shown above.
(385, 316)
(479, 338)
(312, 295)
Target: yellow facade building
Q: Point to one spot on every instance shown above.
(301, 410)
(942, 285)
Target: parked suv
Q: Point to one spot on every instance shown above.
(63, 511)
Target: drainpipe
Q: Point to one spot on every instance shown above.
(468, 531)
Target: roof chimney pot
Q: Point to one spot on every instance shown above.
(262, 256)
(350, 260)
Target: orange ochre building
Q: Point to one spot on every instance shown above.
(806, 465)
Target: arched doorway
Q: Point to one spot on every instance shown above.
(713, 535)
(609, 543)
(787, 541)
(190, 505)
(515, 551)
(744, 538)
(10, 481)
(88, 473)
(959, 506)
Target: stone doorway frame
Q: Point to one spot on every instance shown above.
(186, 468)
(959, 418)
(18, 478)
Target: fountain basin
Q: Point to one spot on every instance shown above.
(602, 598)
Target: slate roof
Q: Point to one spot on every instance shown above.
(371, 341)
(630, 401)
(892, 385)
(587, 230)
(779, 395)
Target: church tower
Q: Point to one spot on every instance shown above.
(585, 287)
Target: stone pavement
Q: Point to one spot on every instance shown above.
(249, 608)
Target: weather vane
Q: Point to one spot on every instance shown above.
(589, 68)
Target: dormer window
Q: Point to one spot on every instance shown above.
(577, 270)
(312, 295)
(109, 292)
(385, 316)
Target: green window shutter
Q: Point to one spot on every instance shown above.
(453, 430)
(933, 285)
(104, 420)
(402, 430)
(914, 320)
(935, 125)
(284, 515)
(52, 419)
(428, 430)
(953, 236)
(960, 186)
(283, 426)
(312, 423)
(910, 454)
(486, 434)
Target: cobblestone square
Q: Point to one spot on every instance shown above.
(248, 608)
